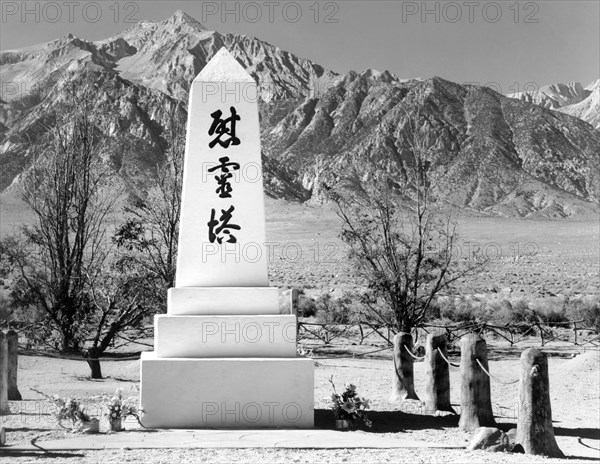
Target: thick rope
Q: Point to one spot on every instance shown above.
(492, 377)
(446, 359)
(420, 358)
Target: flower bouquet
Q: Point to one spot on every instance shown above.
(119, 408)
(70, 409)
(349, 407)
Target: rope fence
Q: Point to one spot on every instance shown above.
(329, 332)
(512, 333)
(420, 358)
(495, 378)
(446, 359)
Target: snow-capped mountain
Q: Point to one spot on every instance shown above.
(554, 96)
(588, 109)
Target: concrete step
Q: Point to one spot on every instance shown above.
(225, 336)
(223, 300)
(227, 392)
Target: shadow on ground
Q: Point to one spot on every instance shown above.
(592, 434)
(391, 421)
(38, 454)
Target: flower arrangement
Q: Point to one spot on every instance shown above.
(119, 408)
(70, 409)
(349, 406)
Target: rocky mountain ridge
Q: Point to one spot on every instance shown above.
(498, 155)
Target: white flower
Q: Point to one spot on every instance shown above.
(348, 406)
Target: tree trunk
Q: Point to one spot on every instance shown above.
(94, 362)
(437, 375)
(475, 400)
(13, 365)
(403, 385)
(3, 374)
(534, 427)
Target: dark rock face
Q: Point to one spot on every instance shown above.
(483, 151)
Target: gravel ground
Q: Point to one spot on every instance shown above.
(264, 456)
(575, 395)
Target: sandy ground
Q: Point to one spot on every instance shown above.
(575, 395)
(534, 257)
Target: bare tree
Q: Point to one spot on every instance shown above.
(62, 262)
(64, 189)
(148, 238)
(401, 242)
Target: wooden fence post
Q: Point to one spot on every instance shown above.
(534, 426)
(437, 374)
(403, 387)
(3, 374)
(13, 365)
(475, 399)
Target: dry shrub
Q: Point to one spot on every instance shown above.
(464, 310)
(517, 313)
(306, 306)
(341, 310)
(586, 310)
(551, 311)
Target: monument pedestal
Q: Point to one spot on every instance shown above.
(225, 371)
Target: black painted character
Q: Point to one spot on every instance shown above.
(223, 128)
(224, 189)
(220, 229)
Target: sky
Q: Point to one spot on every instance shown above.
(508, 45)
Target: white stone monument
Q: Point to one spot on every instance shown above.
(224, 355)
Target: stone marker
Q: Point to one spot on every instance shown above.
(3, 374)
(475, 397)
(13, 365)
(224, 355)
(534, 426)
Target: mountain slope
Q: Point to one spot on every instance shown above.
(485, 151)
(140, 76)
(492, 153)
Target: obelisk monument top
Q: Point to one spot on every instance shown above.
(223, 67)
(222, 227)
